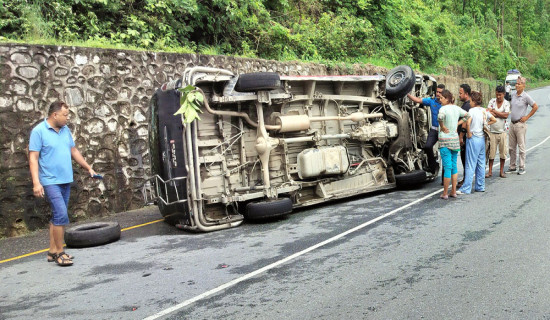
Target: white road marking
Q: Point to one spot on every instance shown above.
(301, 253)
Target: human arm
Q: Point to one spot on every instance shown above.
(463, 124)
(468, 132)
(534, 109)
(461, 131)
(37, 188)
(441, 121)
(492, 119)
(414, 99)
(81, 161)
(497, 114)
(491, 108)
(442, 126)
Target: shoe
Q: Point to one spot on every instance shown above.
(521, 171)
(510, 170)
(459, 192)
(480, 190)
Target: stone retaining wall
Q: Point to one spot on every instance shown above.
(108, 92)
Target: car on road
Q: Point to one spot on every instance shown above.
(266, 143)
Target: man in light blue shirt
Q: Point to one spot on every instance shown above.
(51, 148)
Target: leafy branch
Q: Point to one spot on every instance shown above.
(190, 102)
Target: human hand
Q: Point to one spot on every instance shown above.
(523, 119)
(92, 172)
(446, 130)
(469, 135)
(38, 191)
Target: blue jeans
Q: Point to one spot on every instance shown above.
(58, 197)
(475, 162)
(448, 157)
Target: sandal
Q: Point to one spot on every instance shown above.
(51, 256)
(62, 261)
(67, 256)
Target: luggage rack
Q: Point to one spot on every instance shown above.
(167, 184)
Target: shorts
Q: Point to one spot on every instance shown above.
(58, 197)
(500, 140)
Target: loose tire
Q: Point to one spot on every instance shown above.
(410, 179)
(268, 209)
(92, 234)
(399, 81)
(252, 82)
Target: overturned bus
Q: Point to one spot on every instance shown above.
(268, 143)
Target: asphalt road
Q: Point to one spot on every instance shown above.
(394, 255)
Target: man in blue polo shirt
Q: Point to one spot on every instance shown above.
(434, 105)
(51, 148)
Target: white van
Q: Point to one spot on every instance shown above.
(512, 77)
(268, 143)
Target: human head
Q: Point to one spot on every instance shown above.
(520, 84)
(440, 88)
(464, 92)
(58, 114)
(446, 97)
(476, 98)
(499, 93)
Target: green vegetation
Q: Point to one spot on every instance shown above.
(190, 104)
(484, 37)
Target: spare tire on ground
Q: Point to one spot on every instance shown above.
(92, 234)
(399, 81)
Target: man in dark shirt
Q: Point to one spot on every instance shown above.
(464, 96)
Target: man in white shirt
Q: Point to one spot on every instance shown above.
(500, 109)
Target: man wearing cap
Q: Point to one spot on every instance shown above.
(518, 127)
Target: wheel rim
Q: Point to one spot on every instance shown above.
(396, 78)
